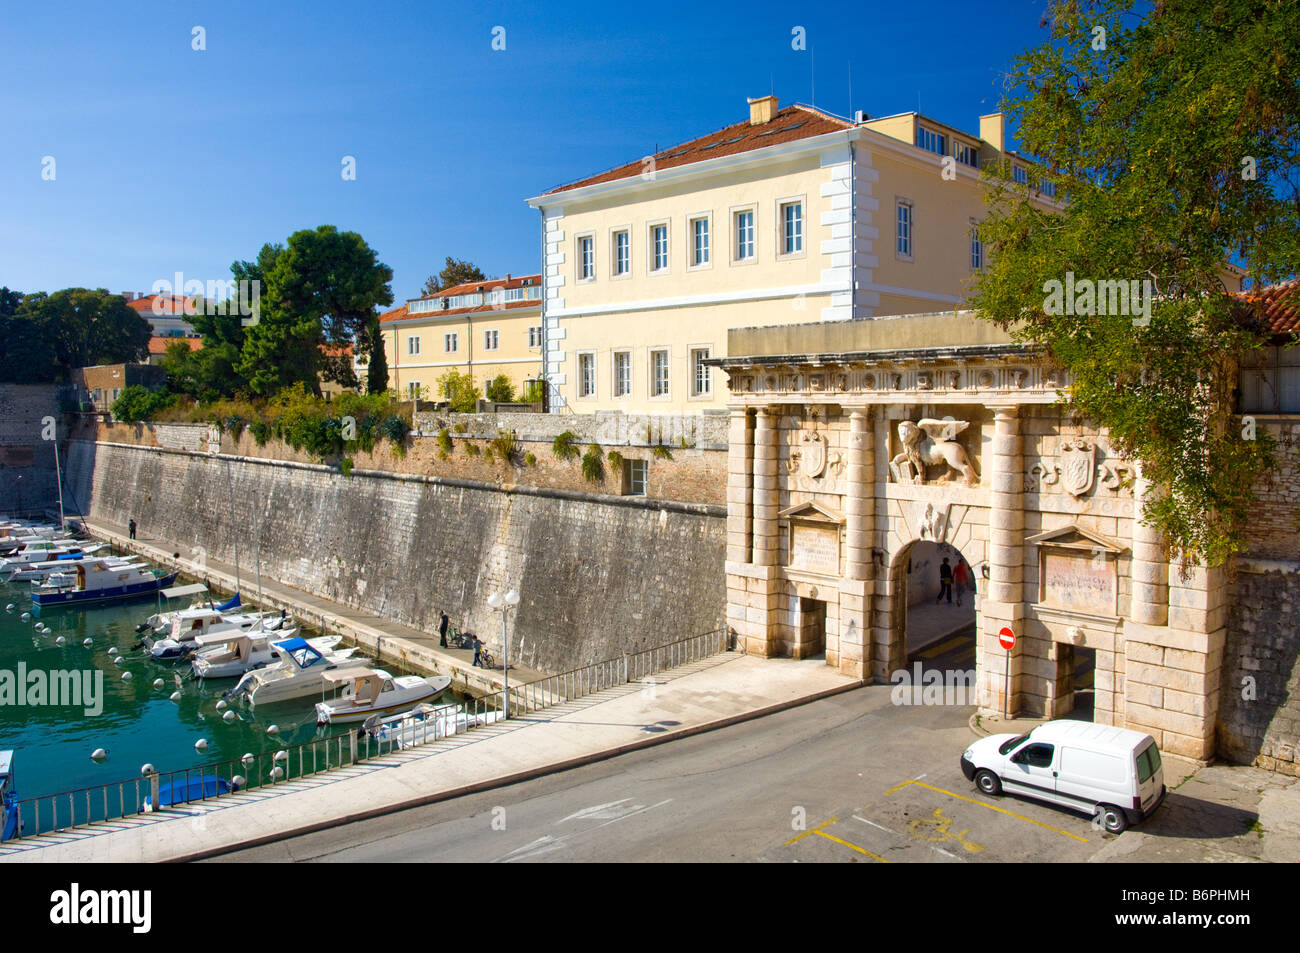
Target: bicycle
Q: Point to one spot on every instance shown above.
(486, 659)
(457, 639)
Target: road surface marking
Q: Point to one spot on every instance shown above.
(860, 850)
(1000, 810)
(873, 824)
(815, 830)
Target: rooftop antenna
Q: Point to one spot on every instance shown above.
(812, 70)
(850, 112)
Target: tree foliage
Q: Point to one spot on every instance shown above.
(1173, 139)
(460, 391)
(500, 389)
(454, 272)
(43, 337)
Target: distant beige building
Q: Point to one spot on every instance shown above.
(483, 328)
(794, 215)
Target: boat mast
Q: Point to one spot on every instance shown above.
(58, 477)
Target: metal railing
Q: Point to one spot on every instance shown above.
(118, 800)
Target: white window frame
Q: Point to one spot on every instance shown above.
(652, 250)
(491, 339)
(413, 389)
(451, 342)
(1020, 174)
(621, 392)
(959, 147)
(534, 337)
(781, 206)
(899, 203)
(668, 373)
(630, 481)
(614, 273)
(579, 264)
(978, 256)
(413, 345)
(734, 214)
(707, 219)
(696, 392)
(586, 361)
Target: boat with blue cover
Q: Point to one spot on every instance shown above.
(11, 825)
(184, 790)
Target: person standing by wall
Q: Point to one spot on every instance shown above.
(478, 647)
(443, 622)
(960, 575)
(130, 527)
(945, 582)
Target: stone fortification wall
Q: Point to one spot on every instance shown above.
(27, 483)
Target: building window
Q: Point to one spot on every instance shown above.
(1047, 188)
(792, 228)
(450, 342)
(976, 249)
(586, 375)
(413, 345)
(622, 373)
(586, 258)
(745, 235)
(634, 477)
(904, 231)
(413, 389)
(491, 340)
(931, 141)
(699, 242)
(622, 253)
(659, 373)
(965, 154)
(1020, 175)
(535, 336)
(659, 248)
(701, 376)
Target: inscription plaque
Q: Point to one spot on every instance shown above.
(815, 548)
(1080, 581)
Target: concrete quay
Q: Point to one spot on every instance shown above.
(384, 639)
(711, 693)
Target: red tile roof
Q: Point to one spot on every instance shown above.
(401, 314)
(168, 305)
(788, 125)
(488, 284)
(158, 345)
(397, 314)
(1275, 308)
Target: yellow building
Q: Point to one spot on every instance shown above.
(794, 215)
(484, 328)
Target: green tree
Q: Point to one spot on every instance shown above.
(455, 272)
(137, 403)
(1174, 138)
(460, 390)
(500, 389)
(45, 336)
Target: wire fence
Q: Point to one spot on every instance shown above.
(69, 810)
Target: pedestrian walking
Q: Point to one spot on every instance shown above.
(443, 622)
(945, 582)
(478, 647)
(959, 577)
(130, 527)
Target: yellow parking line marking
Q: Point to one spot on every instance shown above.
(942, 647)
(860, 850)
(1000, 810)
(815, 830)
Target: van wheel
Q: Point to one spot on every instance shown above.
(1113, 819)
(988, 783)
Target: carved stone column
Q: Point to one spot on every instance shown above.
(1150, 602)
(854, 645)
(740, 486)
(1004, 603)
(766, 497)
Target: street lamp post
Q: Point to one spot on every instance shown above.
(505, 604)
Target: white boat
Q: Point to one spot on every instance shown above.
(363, 692)
(161, 619)
(41, 551)
(227, 655)
(92, 581)
(297, 674)
(426, 723)
(43, 570)
(181, 639)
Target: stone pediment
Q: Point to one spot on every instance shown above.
(812, 511)
(1076, 537)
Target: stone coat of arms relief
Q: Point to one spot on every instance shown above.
(813, 465)
(1077, 470)
(930, 443)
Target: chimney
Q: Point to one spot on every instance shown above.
(507, 276)
(128, 295)
(762, 110)
(993, 130)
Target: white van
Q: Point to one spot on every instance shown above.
(1111, 773)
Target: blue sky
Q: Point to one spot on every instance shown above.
(168, 159)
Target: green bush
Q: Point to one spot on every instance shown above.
(615, 460)
(346, 466)
(136, 404)
(445, 444)
(459, 428)
(565, 446)
(460, 390)
(530, 459)
(395, 429)
(660, 452)
(472, 448)
(261, 432)
(500, 389)
(593, 465)
(505, 446)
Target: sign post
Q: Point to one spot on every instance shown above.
(1007, 639)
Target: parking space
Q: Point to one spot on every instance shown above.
(942, 819)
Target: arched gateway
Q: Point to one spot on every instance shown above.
(852, 441)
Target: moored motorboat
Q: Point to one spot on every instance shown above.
(228, 655)
(371, 691)
(100, 582)
(426, 723)
(296, 675)
(11, 825)
(187, 789)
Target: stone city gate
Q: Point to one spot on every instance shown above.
(843, 454)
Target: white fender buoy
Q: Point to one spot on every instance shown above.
(126, 676)
(88, 643)
(146, 770)
(201, 745)
(221, 705)
(26, 616)
(118, 660)
(175, 696)
(113, 652)
(60, 640)
(99, 754)
(277, 772)
(228, 716)
(238, 781)
(10, 608)
(281, 755)
(273, 730)
(248, 759)
(157, 683)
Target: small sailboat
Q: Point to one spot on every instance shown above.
(361, 693)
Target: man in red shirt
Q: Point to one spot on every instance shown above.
(959, 576)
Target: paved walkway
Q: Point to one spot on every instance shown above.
(384, 639)
(710, 693)
(929, 622)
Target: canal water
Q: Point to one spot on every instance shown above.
(138, 723)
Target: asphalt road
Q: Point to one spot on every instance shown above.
(850, 778)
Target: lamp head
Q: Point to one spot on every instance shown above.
(494, 600)
(512, 598)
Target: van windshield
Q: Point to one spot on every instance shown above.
(1012, 745)
(1148, 763)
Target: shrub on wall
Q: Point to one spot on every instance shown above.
(530, 459)
(445, 444)
(565, 446)
(472, 448)
(506, 446)
(615, 459)
(593, 465)
(660, 452)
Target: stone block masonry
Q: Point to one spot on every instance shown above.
(598, 575)
(27, 483)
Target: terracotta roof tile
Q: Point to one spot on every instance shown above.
(169, 305)
(158, 345)
(1275, 308)
(788, 125)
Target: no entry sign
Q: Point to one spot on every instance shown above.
(1007, 638)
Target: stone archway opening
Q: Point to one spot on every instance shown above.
(934, 610)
